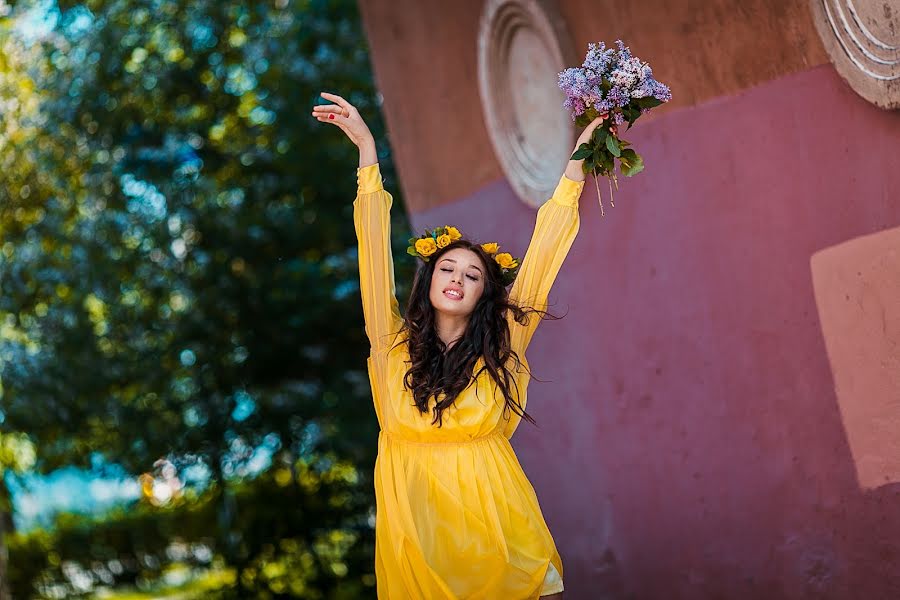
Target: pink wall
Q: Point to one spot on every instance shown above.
(692, 442)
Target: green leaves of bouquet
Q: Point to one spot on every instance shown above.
(606, 147)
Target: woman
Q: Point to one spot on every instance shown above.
(456, 516)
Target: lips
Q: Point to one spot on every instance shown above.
(451, 292)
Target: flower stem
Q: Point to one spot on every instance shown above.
(599, 197)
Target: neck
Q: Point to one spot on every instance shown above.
(450, 328)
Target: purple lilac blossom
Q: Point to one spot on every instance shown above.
(618, 97)
(627, 77)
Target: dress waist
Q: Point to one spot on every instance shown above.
(394, 438)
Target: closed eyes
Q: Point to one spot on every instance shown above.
(451, 270)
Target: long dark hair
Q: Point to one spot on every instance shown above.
(442, 374)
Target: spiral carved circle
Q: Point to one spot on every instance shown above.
(862, 38)
(522, 46)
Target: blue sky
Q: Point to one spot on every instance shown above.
(37, 498)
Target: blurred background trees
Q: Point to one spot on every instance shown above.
(179, 294)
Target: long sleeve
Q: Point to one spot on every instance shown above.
(555, 230)
(372, 219)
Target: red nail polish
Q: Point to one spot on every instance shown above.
(331, 117)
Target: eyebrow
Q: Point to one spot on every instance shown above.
(453, 260)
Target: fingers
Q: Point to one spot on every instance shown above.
(337, 99)
(334, 120)
(326, 109)
(592, 126)
(331, 118)
(337, 120)
(341, 113)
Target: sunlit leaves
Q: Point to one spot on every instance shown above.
(17, 453)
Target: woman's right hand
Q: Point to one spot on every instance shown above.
(344, 115)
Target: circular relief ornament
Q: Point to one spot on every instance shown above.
(522, 47)
(862, 38)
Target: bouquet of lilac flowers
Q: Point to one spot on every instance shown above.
(617, 86)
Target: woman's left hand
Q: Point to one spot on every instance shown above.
(573, 169)
(589, 130)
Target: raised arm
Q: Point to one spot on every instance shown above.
(554, 231)
(372, 219)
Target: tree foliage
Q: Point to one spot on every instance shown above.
(177, 257)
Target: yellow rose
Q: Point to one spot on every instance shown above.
(490, 248)
(443, 241)
(453, 232)
(506, 261)
(426, 246)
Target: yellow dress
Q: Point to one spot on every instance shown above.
(456, 517)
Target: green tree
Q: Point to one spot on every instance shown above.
(178, 262)
(17, 456)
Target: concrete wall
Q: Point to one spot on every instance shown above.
(723, 412)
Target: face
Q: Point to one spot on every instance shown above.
(457, 282)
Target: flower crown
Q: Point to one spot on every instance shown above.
(440, 237)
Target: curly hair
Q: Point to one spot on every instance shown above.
(443, 374)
